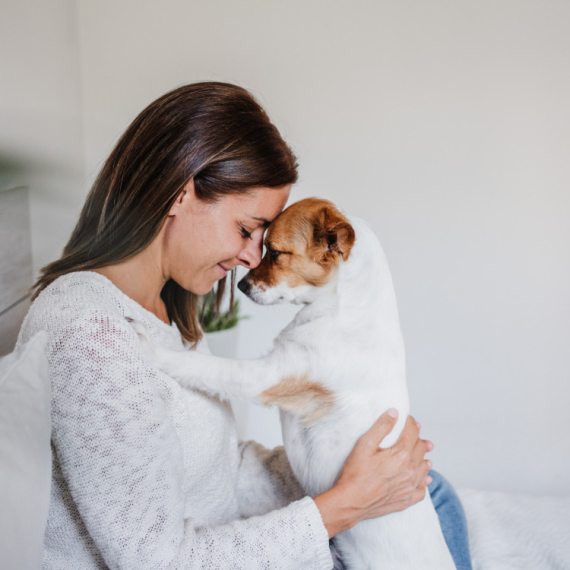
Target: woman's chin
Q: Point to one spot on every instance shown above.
(204, 285)
(198, 288)
(202, 289)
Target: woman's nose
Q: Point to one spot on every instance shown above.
(250, 256)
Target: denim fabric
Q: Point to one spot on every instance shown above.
(452, 520)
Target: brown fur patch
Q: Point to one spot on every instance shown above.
(313, 236)
(301, 397)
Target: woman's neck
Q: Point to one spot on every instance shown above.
(141, 278)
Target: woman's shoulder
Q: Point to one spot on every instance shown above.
(68, 300)
(83, 287)
(80, 287)
(77, 300)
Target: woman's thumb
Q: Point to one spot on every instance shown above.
(381, 428)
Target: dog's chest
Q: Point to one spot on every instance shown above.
(318, 451)
(363, 369)
(313, 452)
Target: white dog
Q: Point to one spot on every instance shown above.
(333, 370)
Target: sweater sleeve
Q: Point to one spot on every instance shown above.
(122, 462)
(265, 479)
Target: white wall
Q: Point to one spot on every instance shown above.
(40, 116)
(447, 126)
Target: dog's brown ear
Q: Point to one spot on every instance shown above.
(333, 236)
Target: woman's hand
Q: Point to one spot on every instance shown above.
(375, 482)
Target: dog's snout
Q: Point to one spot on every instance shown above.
(244, 285)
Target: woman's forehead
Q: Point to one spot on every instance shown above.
(261, 205)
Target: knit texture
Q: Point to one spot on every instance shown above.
(146, 474)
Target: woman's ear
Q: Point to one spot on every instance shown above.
(184, 198)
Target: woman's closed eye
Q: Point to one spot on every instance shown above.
(245, 233)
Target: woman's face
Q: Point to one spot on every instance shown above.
(203, 241)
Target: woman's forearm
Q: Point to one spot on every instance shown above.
(336, 514)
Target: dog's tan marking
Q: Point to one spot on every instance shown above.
(314, 237)
(301, 397)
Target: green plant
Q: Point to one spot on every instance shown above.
(212, 320)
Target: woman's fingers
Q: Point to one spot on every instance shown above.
(421, 481)
(408, 437)
(413, 498)
(419, 451)
(381, 428)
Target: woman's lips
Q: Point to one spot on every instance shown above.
(223, 269)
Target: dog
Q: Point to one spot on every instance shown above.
(332, 371)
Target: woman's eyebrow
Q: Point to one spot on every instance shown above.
(263, 220)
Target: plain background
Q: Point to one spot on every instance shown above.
(445, 124)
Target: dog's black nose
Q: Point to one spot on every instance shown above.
(243, 285)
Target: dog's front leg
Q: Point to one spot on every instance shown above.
(281, 378)
(245, 379)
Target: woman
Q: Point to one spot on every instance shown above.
(146, 474)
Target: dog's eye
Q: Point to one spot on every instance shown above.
(273, 253)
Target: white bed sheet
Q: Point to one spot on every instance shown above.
(517, 532)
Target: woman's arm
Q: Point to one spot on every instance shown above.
(122, 463)
(375, 481)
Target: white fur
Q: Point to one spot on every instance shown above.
(347, 338)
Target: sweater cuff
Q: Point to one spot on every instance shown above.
(319, 533)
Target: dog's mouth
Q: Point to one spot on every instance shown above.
(246, 287)
(255, 293)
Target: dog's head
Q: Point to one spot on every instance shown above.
(304, 246)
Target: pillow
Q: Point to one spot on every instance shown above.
(25, 454)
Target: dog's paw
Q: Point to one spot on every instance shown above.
(147, 344)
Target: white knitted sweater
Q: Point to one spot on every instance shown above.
(148, 475)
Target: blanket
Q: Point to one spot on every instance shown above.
(512, 532)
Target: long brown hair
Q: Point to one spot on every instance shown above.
(215, 133)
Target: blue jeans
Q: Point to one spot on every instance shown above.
(452, 520)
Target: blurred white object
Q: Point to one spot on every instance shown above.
(25, 454)
(223, 343)
(15, 264)
(517, 532)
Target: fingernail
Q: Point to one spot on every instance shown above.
(429, 479)
(419, 425)
(393, 413)
(429, 464)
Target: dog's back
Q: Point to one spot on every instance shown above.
(357, 354)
